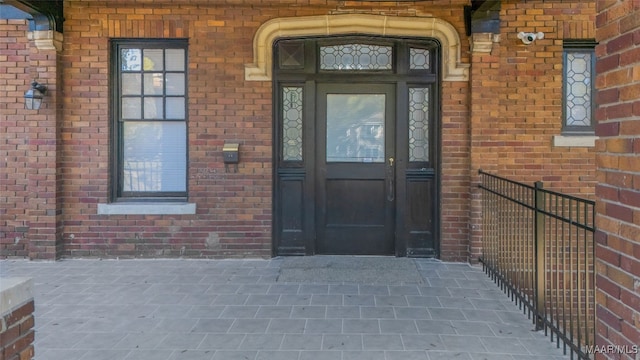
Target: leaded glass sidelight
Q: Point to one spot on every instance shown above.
(419, 59)
(578, 89)
(356, 57)
(419, 124)
(292, 123)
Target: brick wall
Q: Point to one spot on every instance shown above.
(454, 205)
(233, 209)
(517, 97)
(618, 190)
(17, 334)
(510, 131)
(29, 215)
(516, 103)
(14, 152)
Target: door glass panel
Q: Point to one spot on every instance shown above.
(355, 127)
(419, 124)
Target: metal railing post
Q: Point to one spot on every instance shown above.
(541, 274)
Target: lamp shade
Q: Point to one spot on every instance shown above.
(33, 97)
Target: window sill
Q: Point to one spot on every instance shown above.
(574, 141)
(147, 208)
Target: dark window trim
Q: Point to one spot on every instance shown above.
(575, 46)
(400, 68)
(116, 146)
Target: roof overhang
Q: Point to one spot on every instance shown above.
(47, 14)
(482, 16)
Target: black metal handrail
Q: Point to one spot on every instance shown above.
(538, 246)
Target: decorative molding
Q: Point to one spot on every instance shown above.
(47, 40)
(483, 42)
(452, 67)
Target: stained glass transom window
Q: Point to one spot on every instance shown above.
(419, 59)
(355, 57)
(578, 89)
(292, 123)
(419, 124)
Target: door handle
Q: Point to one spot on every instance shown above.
(391, 179)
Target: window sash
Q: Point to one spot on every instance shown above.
(150, 117)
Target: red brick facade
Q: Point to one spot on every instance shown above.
(29, 215)
(516, 93)
(17, 334)
(618, 190)
(516, 102)
(503, 120)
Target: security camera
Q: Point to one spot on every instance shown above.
(528, 38)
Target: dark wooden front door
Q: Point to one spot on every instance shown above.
(354, 169)
(356, 146)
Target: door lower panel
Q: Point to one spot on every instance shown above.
(355, 218)
(355, 202)
(416, 223)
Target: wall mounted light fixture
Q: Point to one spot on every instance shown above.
(33, 97)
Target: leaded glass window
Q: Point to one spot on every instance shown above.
(292, 123)
(578, 87)
(356, 57)
(419, 124)
(419, 59)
